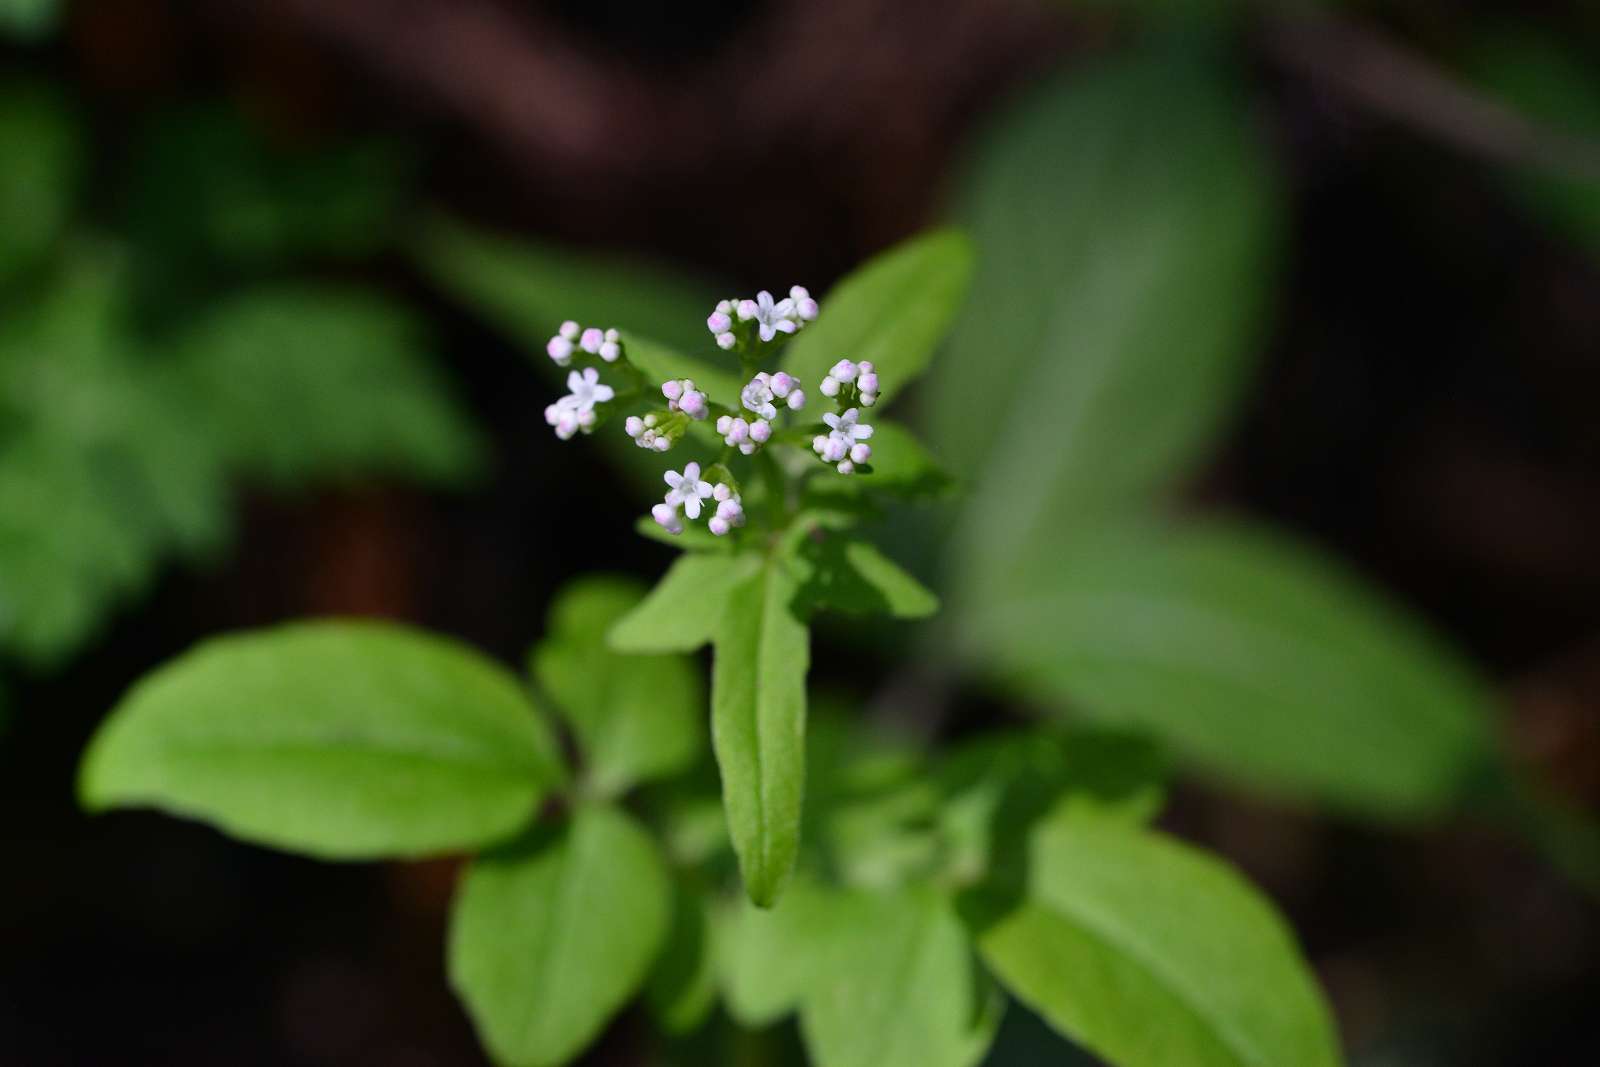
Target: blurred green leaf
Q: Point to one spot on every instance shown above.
(1255, 658)
(802, 931)
(343, 740)
(1124, 217)
(682, 612)
(28, 21)
(1556, 86)
(43, 152)
(528, 289)
(660, 363)
(211, 196)
(909, 994)
(758, 725)
(303, 382)
(100, 471)
(1151, 953)
(550, 936)
(844, 573)
(636, 717)
(682, 989)
(893, 310)
(901, 467)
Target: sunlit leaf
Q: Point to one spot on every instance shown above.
(636, 717)
(892, 311)
(1151, 953)
(683, 610)
(344, 740)
(908, 995)
(550, 936)
(1255, 658)
(758, 725)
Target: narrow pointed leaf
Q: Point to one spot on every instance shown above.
(758, 726)
(344, 740)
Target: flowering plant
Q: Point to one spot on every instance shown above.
(920, 890)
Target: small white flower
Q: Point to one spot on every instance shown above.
(682, 396)
(687, 489)
(845, 434)
(586, 390)
(757, 396)
(771, 317)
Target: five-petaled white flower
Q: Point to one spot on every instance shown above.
(845, 443)
(687, 489)
(772, 317)
(586, 391)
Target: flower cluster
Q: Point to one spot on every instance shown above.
(570, 339)
(845, 443)
(575, 411)
(745, 326)
(687, 490)
(852, 383)
(766, 316)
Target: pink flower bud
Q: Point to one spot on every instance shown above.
(559, 349)
(569, 330)
(591, 340)
(672, 390)
(760, 431)
(718, 322)
(860, 453)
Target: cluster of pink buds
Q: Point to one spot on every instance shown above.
(570, 339)
(852, 383)
(845, 443)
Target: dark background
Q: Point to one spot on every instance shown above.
(1426, 410)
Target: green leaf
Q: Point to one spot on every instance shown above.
(552, 935)
(44, 152)
(909, 994)
(528, 289)
(343, 740)
(758, 726)
(28, 21)
(1554, 86)
(101, 471)
(301, 382)
(893, 310)
(682, 989)
(682, 612)
(801, 930)
(636, 718)
(1151, 953)
(845, 573)
(1254, 658)
(1125, 220)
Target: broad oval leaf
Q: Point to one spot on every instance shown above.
(907, 994)
(758, 725)
(1124, 217)
(636, 717)
(1151, 953)
(552, 935)
(343, 740)
(894, 310)
(1254, 658)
